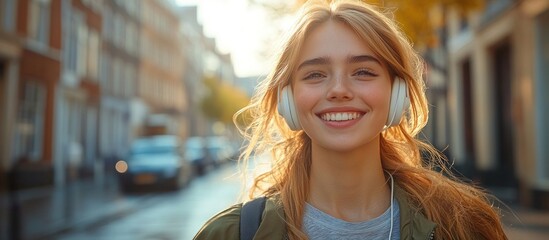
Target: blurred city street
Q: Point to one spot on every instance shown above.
(102, 97)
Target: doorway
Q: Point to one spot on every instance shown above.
(468, 126)
(504, 129)
(3, 119)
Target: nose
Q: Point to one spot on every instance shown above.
(339, 89)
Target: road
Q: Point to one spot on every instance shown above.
(169, 215)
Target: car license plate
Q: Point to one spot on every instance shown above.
(145, 179)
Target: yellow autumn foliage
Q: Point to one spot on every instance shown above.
(416, 17)
(222, 101)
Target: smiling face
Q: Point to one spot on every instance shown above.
(341, 89)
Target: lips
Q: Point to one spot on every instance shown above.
(340, 116)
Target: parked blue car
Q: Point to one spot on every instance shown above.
(155, 161)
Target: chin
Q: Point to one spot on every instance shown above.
(342, 145)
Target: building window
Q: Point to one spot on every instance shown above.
(116, 28)
(105, 70)
(133, 8)
(107, 24)
(116, 80)
(463, 22)
(86, 3)
(119, 30)
(70, 44)
(95, 5)
(143, 84)
(82, 49)
(7, 14)
(123, 79)
(130, 37)
(129, 81)
(541, 84)
(132, 80)
(30, 122)
(93, 54)
(39, 19)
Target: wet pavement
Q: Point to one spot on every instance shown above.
(174, 215)
(527, 224)
(43, 212)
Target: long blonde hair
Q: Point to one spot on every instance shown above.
(460, 210)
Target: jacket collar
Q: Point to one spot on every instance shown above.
(413, 224)
(273, 223)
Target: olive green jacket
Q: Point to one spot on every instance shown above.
(225, 225)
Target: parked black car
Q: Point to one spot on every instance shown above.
(196, 155)
(220, 149)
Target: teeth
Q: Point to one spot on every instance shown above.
(341, 116)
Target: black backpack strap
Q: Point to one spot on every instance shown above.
(250, 217)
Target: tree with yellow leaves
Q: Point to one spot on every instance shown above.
(416, 17)
(222, 101)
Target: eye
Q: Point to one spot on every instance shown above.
(313, 75)
(364, 73)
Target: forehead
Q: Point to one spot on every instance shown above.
(335, 40)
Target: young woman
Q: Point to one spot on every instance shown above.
(339, 114)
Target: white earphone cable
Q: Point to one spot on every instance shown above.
(392, 199)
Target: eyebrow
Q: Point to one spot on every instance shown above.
(326, 60)
(363, 58)
(314, 61)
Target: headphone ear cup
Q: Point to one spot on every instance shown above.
(400, 101)
(286, 108)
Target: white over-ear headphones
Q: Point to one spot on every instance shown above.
(286, 108)
(400, 101)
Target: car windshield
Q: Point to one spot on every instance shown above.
(194, 153)
(154, 150)
(153, 147)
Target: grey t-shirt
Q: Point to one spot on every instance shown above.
(319, 225)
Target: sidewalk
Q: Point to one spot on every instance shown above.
(42, 212)
(519, 222)
(527, 224)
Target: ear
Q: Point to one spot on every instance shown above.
(286, 108)
(400, 101)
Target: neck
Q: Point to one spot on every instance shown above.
(350, 186)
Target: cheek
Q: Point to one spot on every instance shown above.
(304, 100)
(377, 97)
